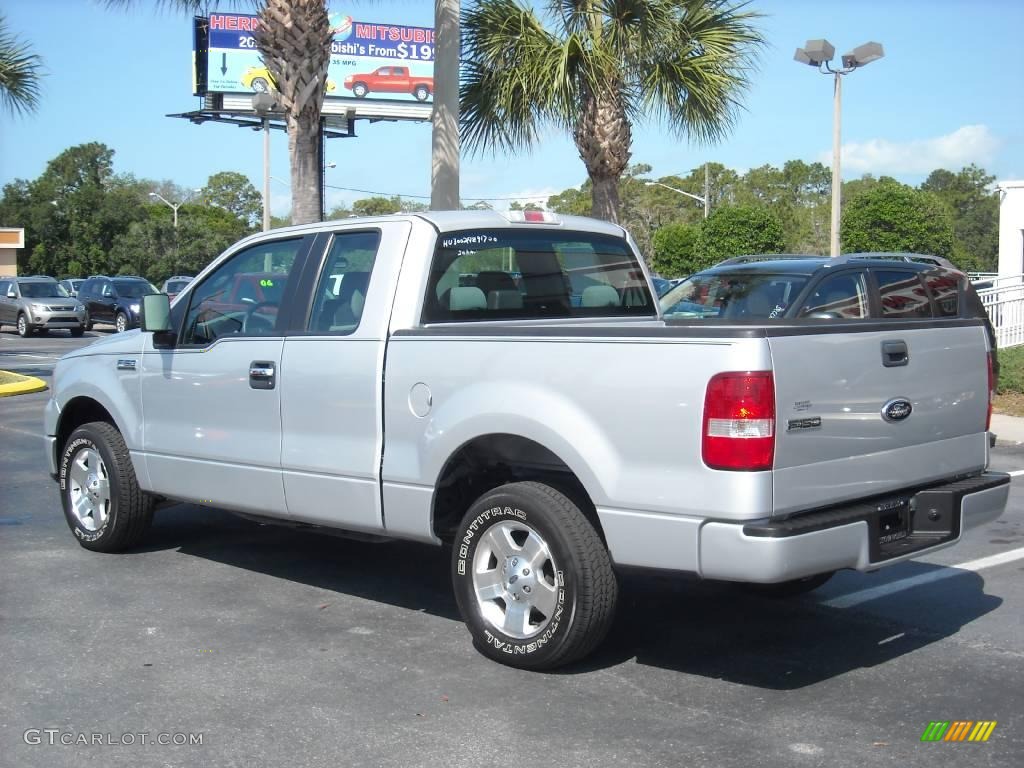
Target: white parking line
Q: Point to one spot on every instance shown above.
(17, 431)
(865, 595)
(1016, 473)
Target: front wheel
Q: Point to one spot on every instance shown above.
(532, 578)
(78, 332)
(422, 93)
(24, 329)
(121, 322)
(103, 505)
(359, 90)
(260, 85)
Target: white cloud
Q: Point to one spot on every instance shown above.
(966, 145)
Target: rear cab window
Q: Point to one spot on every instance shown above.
(533, 274)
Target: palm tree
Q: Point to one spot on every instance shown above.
(295, 42)
(20, 71)
(595, 67)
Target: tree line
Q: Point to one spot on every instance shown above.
(953, 214)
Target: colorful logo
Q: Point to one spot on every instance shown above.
(958, 730)
(341, 26)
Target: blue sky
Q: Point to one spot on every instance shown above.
(947, 93)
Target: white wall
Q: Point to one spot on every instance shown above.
(1011, 227)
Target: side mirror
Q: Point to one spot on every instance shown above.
(156, 318)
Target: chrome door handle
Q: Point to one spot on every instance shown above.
(261, 374)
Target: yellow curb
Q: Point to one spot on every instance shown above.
(16, 384)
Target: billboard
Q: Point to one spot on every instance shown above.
(369, 60)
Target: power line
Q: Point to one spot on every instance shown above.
(427, 197)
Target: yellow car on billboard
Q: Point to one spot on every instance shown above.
(260, 81)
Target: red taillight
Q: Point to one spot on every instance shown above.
(739, 421)
(991, 392)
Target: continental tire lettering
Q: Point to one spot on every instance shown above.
(483, 517)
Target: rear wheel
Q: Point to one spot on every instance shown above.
(121, 322)
(103, 505)
(532, 578)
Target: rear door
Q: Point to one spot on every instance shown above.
(332, 381)
(843, 429)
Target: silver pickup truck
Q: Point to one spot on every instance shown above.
(510, 387)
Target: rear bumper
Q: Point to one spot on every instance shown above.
(852, 536)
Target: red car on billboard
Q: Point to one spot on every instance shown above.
(390, 80)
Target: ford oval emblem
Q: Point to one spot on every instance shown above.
(897, 409)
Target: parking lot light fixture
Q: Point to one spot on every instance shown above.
(819, 54)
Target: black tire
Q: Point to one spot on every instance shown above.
(578, 571)
(78, 332)
(359, 90)
(421, 93)
(24, 329)
(129, 511)
(793, 588)
(119, 319)
(88, 322)
(261, 85)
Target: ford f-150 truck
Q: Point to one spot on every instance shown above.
(508, 385)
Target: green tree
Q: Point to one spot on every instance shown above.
(894, 217)
(234, 193)
(596, 69)
(974, 208)
(675, 250)
(376, 206)
(20, 72)
(737, 231)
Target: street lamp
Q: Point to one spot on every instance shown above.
(705, 200)
(174, 206)
(818, 54)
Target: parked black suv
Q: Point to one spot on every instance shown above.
(855, 286)
(114, 300)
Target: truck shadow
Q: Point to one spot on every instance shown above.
(676, 623)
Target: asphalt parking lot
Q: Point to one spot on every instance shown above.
(282, 648)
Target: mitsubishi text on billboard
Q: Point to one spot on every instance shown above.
(369, 60)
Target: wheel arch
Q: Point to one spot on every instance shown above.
(78, 411)
(488, 461)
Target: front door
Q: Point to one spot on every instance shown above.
(212, 403)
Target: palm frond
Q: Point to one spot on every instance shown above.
(516, 77)
(20, 72)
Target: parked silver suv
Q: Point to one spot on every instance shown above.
(33, 304)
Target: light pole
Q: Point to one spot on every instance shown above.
(818, 54)
(704, 200)
(174, 206)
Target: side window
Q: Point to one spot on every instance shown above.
(944, 286)
(341, 291)
(902, 295)
(108, 289)
(3, 289)
(243, 295)
(533, 274)
(843, 296)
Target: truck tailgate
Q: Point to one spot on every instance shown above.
(833, 442)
